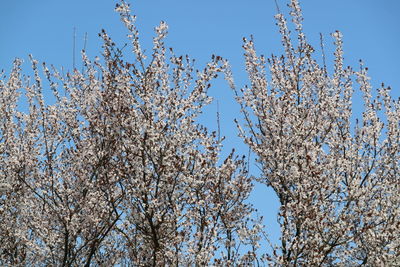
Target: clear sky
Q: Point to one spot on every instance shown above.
(44, 28)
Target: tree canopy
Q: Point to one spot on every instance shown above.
(119, 172)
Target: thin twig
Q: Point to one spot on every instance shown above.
(323, 52)
(85, 41)
(73, 49)
(218, 123)
(277, 7)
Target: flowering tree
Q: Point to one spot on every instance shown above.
(113, 169)
(337, 179)
(116, 171)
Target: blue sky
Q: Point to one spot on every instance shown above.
(44, 28)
